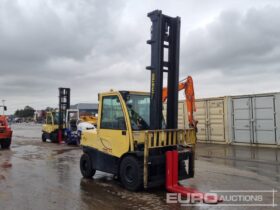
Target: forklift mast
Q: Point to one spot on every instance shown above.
(64, 104)
(165, 47)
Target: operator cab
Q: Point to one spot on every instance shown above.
(138, 107)
(72, 118)
(52, 118)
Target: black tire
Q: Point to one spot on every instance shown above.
(54, 137)
(44, 137)
(131, 173)
(5, 143)
(86, 166)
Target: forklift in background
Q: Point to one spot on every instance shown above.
(66, 124)
(76, 122)
(132, 141)
(71, 132)
(5, 131)
(54, 127)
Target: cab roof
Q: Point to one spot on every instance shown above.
(124, 91)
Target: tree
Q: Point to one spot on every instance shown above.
(28, 111)
(49, 109)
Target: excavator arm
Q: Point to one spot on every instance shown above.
(186, 85)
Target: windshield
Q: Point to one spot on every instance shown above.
(55, 118)
(138, 107)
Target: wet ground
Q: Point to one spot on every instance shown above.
(36, 175)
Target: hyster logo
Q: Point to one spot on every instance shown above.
(153, 84)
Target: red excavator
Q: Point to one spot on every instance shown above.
(5, 131)
(187, 85)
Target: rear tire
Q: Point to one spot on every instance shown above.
(131, 173)
(5, 143)
(44, 137)
(86, 166)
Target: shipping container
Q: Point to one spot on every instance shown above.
(245, 119)
(255, 119)
(182, 115)
(211, 114)
(212, 117)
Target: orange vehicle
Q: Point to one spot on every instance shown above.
(187, 85)
(5, 132)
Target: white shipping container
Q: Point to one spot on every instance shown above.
(211, 114)
(245, 119)
(255, 119)
(212, 117)
(182, 115)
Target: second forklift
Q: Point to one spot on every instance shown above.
(54, 126)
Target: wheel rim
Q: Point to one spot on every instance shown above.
(85, 165)
(129, 174)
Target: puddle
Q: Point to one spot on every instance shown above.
(61, 151)
(26, 149)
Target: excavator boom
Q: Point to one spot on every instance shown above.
(186, 85)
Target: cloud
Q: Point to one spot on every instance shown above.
(79, 44)
(93, 46)
(236, 43)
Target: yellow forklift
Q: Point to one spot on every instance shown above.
(132, 140)
(50, 127)
(54, 126)
(125, 145)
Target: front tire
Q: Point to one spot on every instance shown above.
(44, 137)
(86, 166)
(5, 143)
(131, 173)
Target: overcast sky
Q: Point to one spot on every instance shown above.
(229, 47)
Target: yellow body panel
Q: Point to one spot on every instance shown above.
(138, 136)
(113, 142)
(47, 128)
(49, 125)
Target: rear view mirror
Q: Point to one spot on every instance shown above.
(5, 108)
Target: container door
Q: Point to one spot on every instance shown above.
(242, 124)
(264, 120)
(183, 122)
(182, 115)
(201, 116)
(216, 126)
